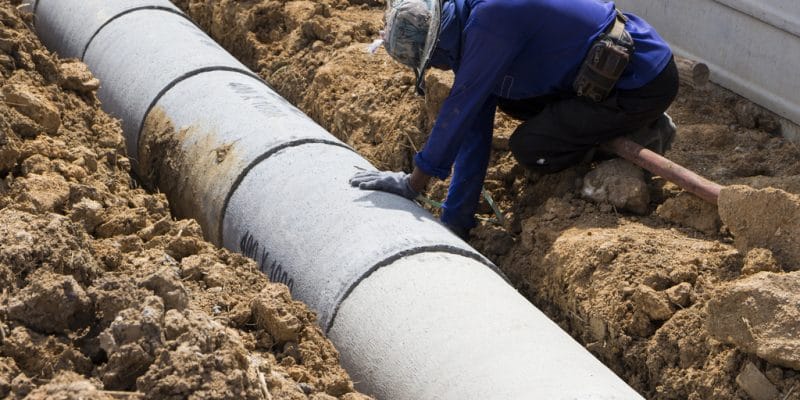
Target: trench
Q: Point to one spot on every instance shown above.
(580, 262)
(182, 115)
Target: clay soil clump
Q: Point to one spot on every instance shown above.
(104, 294)
(655, 285)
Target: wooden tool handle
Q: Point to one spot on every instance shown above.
(661, 166)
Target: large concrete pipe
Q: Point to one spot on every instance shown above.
(415, 312)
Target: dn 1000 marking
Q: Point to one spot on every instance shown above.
(250, 247)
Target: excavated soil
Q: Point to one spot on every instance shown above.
(681, 303)
(104, 294)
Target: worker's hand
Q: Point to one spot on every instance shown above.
(385, 181)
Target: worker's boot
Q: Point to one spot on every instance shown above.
(658, 136)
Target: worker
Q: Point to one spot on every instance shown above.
(577, 74)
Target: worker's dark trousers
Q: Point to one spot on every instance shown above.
(560, 131)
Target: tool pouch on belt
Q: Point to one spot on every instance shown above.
(608, 57)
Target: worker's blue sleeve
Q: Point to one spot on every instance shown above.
(488, 50)
(470, 169)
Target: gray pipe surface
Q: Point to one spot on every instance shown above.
(411, 307)
(488, 341)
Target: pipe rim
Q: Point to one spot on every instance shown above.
(124, 13)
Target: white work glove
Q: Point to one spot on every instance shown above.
(385, 181)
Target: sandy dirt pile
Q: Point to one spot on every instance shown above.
(680, 303)
(104, 294)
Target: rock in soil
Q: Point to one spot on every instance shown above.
(620, 183)
(752, 381)
(654, 304)
(760, 260)
(760, 315)
(76, 76)
(51, 303)
(33, 105)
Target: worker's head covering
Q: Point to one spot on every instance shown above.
(411, 33)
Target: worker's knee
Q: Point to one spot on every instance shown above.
(551, 162)
(546, 155)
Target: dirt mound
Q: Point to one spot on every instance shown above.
(105, 295)
(633, 289)
(768, 218)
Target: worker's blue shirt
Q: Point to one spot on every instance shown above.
(513, 49)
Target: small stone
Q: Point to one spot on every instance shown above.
(33, 106)
(51, 303)
(307, 388)
(640, 325)
(606, 253)
(652, 303)
(751, 116)
(8, 370)
(627, 291)
(752, 381)
(75, 75)
(270, 312)
(619, 183)
(759, 260)
(161, 227)
(87, 212)
(9, 153)
(215, 277)
(45, 193)
(175, 324)
(684, 273)
(130, 244)
(746, 114)
(598, 328)
(680, 294)
(166, 284)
